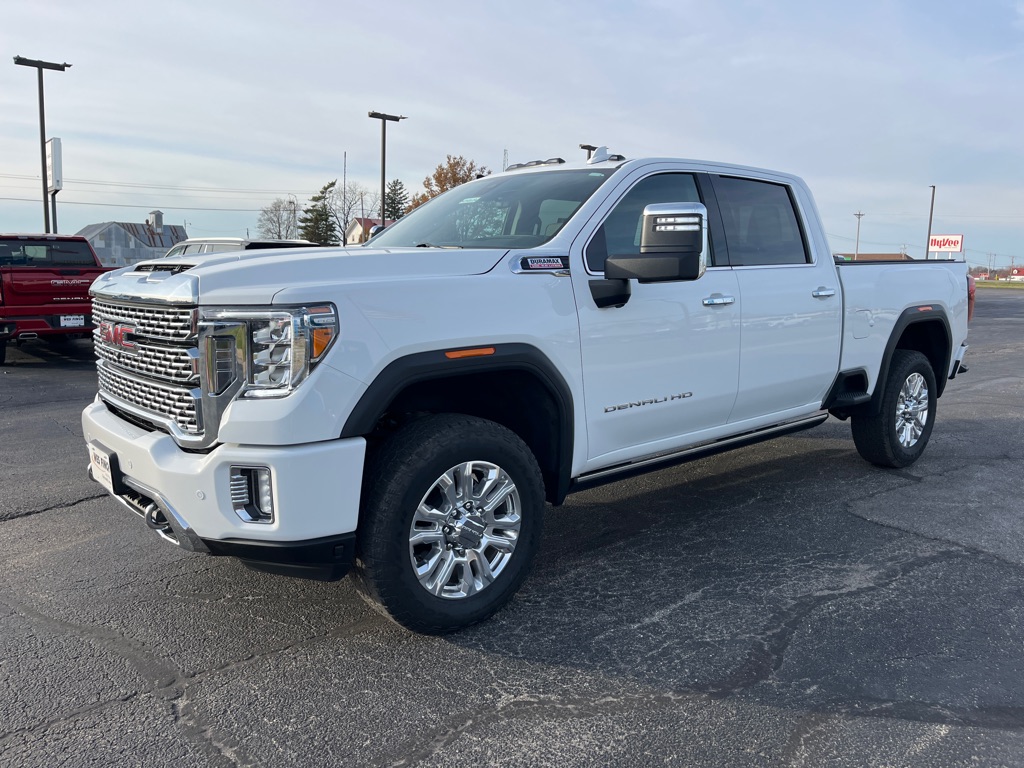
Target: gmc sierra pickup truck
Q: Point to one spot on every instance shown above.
(407, 407)
(44, 288)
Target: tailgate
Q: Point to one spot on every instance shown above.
(37, 272)
(30, 286)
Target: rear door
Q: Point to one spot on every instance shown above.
(791, 301)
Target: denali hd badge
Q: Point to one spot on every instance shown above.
(543, 262)
(652, 401)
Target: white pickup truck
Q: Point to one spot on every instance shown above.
(407, 407)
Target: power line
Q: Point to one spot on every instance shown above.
(139, 185)
(896, 245)
(128, 205)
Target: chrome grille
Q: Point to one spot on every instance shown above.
(171, 363)
(174, 403)
(148, 363)
(153, 321)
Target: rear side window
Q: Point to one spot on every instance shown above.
(45, 253)
(760, 222)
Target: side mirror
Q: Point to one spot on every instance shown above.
(673, 246)
(375, 230)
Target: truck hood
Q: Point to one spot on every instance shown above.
(257, 276)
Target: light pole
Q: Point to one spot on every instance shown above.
(856, 247)
(931, 210)
(383, 151)
(40, 66)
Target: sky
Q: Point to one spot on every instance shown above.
(209, 111)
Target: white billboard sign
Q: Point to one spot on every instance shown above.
(946, 243)
(54, 169)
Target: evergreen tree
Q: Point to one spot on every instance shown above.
(396, 200)
(318, 223)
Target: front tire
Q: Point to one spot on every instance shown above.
(896, 436)
(452, 514)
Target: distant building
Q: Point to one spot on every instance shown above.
(120, 243)
(358, 230)
(876, 257)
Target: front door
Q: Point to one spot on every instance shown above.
(664, 366)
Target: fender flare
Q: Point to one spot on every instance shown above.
(424, 366)
(912, 316)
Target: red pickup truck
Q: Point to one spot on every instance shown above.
(44, 288)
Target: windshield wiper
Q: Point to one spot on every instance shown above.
(431, 245)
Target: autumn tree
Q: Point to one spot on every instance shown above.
(279, 220)
(319, 221)
(448, 175)
(396, 200)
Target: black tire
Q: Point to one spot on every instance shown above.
(893, 437)
(3, 351)
(402, 479)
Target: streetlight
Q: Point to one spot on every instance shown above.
(856, 248)
(383, 150)
(40, 66)
(931, 210)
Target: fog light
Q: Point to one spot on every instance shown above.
(252, 494)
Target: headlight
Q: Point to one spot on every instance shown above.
(277, 348)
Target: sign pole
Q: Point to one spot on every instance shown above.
(928, 242)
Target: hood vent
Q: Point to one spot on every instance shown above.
(174, 269)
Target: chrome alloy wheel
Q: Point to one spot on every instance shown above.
(465, 530)
(912, 410)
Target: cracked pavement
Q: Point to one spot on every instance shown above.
(782, 605)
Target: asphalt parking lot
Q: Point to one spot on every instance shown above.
(783, 605)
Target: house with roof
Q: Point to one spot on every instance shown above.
(358, 230)
(120, 243)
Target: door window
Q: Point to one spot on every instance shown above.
(761, 226)
(620, 232)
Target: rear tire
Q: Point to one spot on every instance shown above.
(452, 512)
(896, 436)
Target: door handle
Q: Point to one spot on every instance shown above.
(717, 300)
(823, 293)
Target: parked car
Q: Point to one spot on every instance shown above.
(406, 407)
(222, 244)
(44, 288)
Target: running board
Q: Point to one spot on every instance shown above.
(663, 461)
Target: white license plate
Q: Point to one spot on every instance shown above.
(72, 321)
(99, 459)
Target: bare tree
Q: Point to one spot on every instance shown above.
(354, 201)
(280, 219)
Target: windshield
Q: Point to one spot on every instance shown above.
(520, 210)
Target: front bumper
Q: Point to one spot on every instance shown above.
(186, 497)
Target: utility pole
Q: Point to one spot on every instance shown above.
(383, 151)
(931, 210)
(856, 247)
(40, 66)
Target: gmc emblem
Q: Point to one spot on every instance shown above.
(117, 334)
